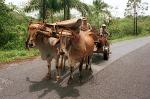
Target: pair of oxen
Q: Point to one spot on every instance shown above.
(62, 39)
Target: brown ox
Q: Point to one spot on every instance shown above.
(78, 48)
(47, 45)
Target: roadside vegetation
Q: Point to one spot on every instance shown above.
(14, 22)
(123, 28)
(13, 33)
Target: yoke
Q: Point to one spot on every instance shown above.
(72, 24)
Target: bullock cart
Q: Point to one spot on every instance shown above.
(102, 46)
(61, 41)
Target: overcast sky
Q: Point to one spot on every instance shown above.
(119, 4)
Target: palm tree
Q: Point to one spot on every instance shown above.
(81, 7)
(43, 6)
(77, 4)
(56, 5)
(100, 6)
(100, 9)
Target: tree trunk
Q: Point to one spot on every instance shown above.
(52, 17)
(64, 12)
(64, 9)
(42, 10)
(68, 12)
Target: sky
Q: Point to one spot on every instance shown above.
(118, 6)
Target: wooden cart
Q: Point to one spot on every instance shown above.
(102, 46)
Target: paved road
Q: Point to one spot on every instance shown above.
(125, 76)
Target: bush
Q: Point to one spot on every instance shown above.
(13, 29)
(124, 27)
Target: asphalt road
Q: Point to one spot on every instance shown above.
(125, 76)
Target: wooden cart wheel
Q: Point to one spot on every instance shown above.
(106, 53)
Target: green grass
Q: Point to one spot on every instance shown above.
(129, 38)
(13, 55)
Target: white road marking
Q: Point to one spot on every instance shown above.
(4, 83)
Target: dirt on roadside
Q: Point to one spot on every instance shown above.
(6, 64)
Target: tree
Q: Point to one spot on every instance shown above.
(53, 6)
(4, 16)
(43, 6)
(133, 9)
(143, 8)
(132, 5)
(69, 4)
(12, 24)
(99, 11)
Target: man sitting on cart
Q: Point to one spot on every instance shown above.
(104, 34)
(85, 25)
(103, 31)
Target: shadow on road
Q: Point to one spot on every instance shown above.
(97, 58)
(46, 86)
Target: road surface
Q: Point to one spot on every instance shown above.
(125, 76)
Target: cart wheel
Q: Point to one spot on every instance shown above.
(106, 54)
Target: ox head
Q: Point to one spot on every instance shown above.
(33, 30)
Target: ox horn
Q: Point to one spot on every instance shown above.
(46, 33)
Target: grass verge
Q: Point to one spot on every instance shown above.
(14, 55)
(129, 38)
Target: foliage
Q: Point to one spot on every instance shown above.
(138, 5)
(13, 33)
(131, 5)
(119, 28)
(13, 28)
(99, 13)
(49, 7)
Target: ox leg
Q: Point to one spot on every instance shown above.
(48, 76)
(64, 63)
(71, 64)
(87, 63)
(90, 62)
(57, 68)
(61, 62)
(71, 74)
(80, 70)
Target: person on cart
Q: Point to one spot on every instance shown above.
(104, 34)
(85, 25)
(103, 31)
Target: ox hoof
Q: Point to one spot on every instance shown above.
(58, 78)
(110, 52)
(80, 79)
(86, 68)
(90, 69)
(70, 80)
(48, 76)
